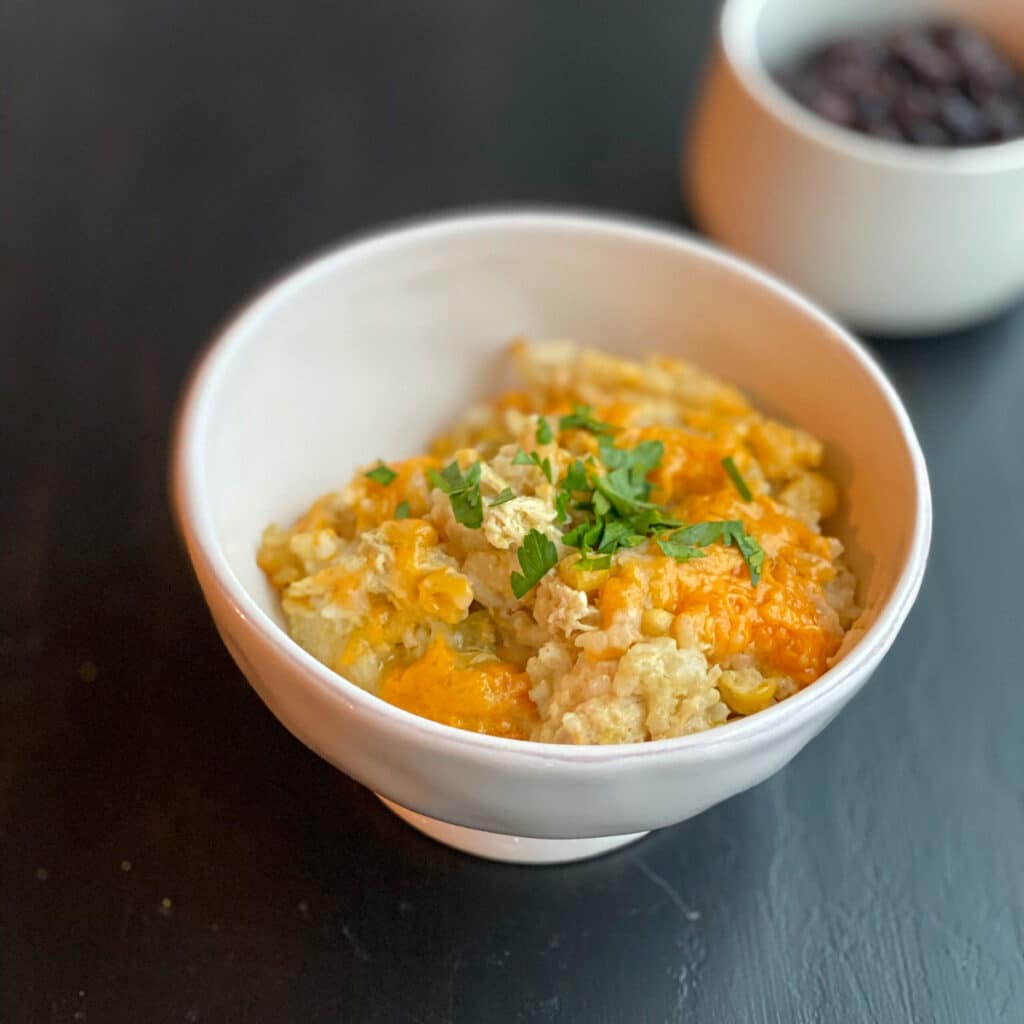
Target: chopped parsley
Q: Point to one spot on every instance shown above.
(533, 459)
(449, 479)
(402, 511)
(610, 511)
(544, 435)
(462, 491)
(575, 479)
(562, 499)
(753, 555)
(686, 543)
(537, 557)
(606, 507)
(381, 474)
(737, 480)
(679, 549)
(593, 562)
(506, 495)
(582, 418)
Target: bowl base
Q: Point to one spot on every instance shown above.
(509, 849)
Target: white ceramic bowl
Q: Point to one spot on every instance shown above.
(374, 347)
(893, 238)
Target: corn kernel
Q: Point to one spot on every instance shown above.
(745, 691)
(580, 579)
(656, 622)
(688, 634)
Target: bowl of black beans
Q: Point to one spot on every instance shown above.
(932, 84)
(871, 152)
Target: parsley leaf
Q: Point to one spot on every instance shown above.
(646, 456)
(679, 550)
(618, 534)
(612, 457)
(574, 538)
(581, 418)
(544, 435)
(462, 491)
(753, 555)
(467, 509)
(402, 511)
(533, 459)
(381, 474)
(654, 520)
(703, 533)
(562, 499)
(683, 544)
(576, 478)
(628, 469)
(506, 495)
(737, 480)
(537, 556)
(586, 536)
(449, 479)
(593, 562)
(618, 491)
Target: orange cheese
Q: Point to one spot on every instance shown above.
(482, 696)
(374, 503)
(778, 621)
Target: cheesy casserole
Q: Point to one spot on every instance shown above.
(617, 551)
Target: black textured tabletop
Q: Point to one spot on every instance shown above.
(168, 852)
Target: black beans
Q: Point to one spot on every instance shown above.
(933, 85)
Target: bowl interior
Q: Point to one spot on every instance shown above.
(370, 350)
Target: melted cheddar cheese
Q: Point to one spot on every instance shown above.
(484, 696)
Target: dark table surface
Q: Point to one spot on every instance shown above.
(167, 851)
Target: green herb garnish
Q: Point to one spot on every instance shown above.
(593, 562)
(506, 495)
(582, 418)
(562, 500)
(613, 510)
(381, 474)
(402, 511)
(449, 479)
(679, 550)
(522, 458)
(707, 533)
(753, 555)
(737, 480)
(685, 544)
(626, 487)
(604, 508)
(576, 478)
(537, 556)
(462, 491)
(544, 435)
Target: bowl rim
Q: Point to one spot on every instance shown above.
(737, 35)
(194, 518)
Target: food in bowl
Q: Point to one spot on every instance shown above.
(941, 84)
(615, 552)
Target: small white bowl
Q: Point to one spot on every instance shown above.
(374, 347)
(893, 238)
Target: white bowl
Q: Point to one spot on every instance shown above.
(893, 238)
(372, 348)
